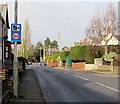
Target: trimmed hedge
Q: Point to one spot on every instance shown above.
(78, 53)
(63, 55)
(49, 58)
(55, 56)
(86, 53)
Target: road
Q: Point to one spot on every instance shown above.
(60, 85)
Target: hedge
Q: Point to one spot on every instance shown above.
(86, 53)
(55, 56)
(49, 58)
(63, 55)
(78, 53)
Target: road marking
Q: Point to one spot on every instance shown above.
(67, 69)
(82, 77)
(108, 87)
(77, 76)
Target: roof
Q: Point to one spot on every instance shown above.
(4, 13)
(117, 37)
(84, 41)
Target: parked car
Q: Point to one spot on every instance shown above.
(43, 63)
(29, 62)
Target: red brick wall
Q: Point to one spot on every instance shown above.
(80, 65)
(53, 63)
(58, 62)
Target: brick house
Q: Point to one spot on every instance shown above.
(5, 45)
(5, 54)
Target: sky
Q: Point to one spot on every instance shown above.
(49, 17)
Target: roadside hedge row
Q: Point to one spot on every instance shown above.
(63, 55)
(84, 53)
(55, 56)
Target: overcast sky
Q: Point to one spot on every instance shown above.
(67, 17)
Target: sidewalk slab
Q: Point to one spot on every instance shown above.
(29, 89)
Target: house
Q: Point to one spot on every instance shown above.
(5, 45)
(112, 40)
(83, 42)
(5, 55)
(95, 40)
(115, 40)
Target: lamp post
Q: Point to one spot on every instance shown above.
(49, 50)
(40, 53)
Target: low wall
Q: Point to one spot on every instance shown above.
(91, 67)
(79, 65)
(53, 63)
(101, 67)
(106, 67)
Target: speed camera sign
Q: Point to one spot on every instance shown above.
(16, 32)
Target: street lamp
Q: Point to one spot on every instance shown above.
(40, 53)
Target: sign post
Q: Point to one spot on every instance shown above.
(15, 37)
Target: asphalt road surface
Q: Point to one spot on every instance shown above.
(60, 85)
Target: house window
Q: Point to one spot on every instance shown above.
(7, 52)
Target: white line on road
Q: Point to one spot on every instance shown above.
(108, 87)
(78, 76)
(67, 69)
(82, 77)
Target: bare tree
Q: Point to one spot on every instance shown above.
(98, 24)
(103, 26)
(26, 40)
(95, 28)
(110, 19)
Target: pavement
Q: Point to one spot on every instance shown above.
(29, 89)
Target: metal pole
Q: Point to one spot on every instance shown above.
(15, 61)
(59, 38)
(49, 50)
(40, 53)
(44, 53)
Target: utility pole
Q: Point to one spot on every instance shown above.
(59, 38)
(49, 50)
(44, 53)
(40, 53)
(15, 61)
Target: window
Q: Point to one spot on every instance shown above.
(7, 52)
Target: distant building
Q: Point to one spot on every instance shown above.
(83, 42)
(65, 49)
(95, 41)
(113, 40)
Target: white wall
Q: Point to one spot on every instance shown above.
(112, 41)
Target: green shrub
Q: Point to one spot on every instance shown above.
(55, 56)
(49, 58)
(78, 53)
(63, 55)
(86, 53)
(109, 57)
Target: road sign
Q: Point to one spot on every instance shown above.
(16, 32)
